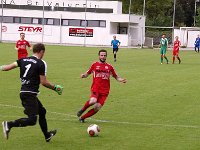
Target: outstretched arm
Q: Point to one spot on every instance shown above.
(122, 80)
(8, 67)
(47, 84)
(84, 75)
(16, 48)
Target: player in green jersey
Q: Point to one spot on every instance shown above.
(163, 49)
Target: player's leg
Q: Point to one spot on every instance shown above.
(164, 55)
(195, 48)
(161, 56)
(179, 59)
(93, 99)
(173, 60)
(115, 54)
(43, 123)
(91, 112)
(97, 106)
(31, 110)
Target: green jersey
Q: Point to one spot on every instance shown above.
(163, 42)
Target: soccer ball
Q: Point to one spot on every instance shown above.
(93, 130)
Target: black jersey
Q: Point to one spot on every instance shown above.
(30, 70)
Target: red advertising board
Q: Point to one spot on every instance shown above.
(80, 32)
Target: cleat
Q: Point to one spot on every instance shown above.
(51, 134)
(6, 129)
(115, 60)
(179, 62)
(79, 113)
(82, 120)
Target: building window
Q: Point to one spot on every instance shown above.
(45, 21)
(7, 19)
(102, 23)
(50, 21)
(65, 22)
(35, 21)
(56, 22)
(17, 20)
(26, 20)
(74, 22)
(83, 23)
(93, 23)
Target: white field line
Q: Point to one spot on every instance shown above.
(105, 121)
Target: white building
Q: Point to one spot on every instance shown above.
(187, 35)
(67, 21)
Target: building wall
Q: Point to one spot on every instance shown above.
(187, 35)
(60, 34)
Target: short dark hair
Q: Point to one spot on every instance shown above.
(102, 50)
(22, 33)
(38, 47)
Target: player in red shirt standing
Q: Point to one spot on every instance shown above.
(176, 47)
(101, 85)
(21, 46)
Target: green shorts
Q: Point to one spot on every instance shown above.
(163, 51)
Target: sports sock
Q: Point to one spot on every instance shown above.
(161, 59)
(87, 104)
(43, 125)
(166, 59)
(115, 55)
(90, 113)
(179, 59)
(23, 122)
(173, 59)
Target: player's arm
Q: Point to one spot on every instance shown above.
(122, 80)
(29, 45)
(16, 48)
(8, 67)
(167, 44)
(85, 75)
(114, 74)
(47, 84)
(119, 43)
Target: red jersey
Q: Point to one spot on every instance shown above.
(21, 45)
(101, 76)
(177, 44)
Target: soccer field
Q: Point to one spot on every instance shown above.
(158, 108)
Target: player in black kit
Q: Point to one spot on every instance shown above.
(32, 72)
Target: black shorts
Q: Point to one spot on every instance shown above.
(115, 50)
(31, 103)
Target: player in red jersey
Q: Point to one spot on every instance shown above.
(21, 46)
(101, 85)
(176, 47)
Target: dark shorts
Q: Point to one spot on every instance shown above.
(115, 50)
(31, 103)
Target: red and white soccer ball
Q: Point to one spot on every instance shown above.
(93, 130)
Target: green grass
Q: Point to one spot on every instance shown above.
(158, 108)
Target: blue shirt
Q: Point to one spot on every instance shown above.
(197, 42)
(115, 43)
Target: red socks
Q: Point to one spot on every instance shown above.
(90, 113)
(86, 105)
